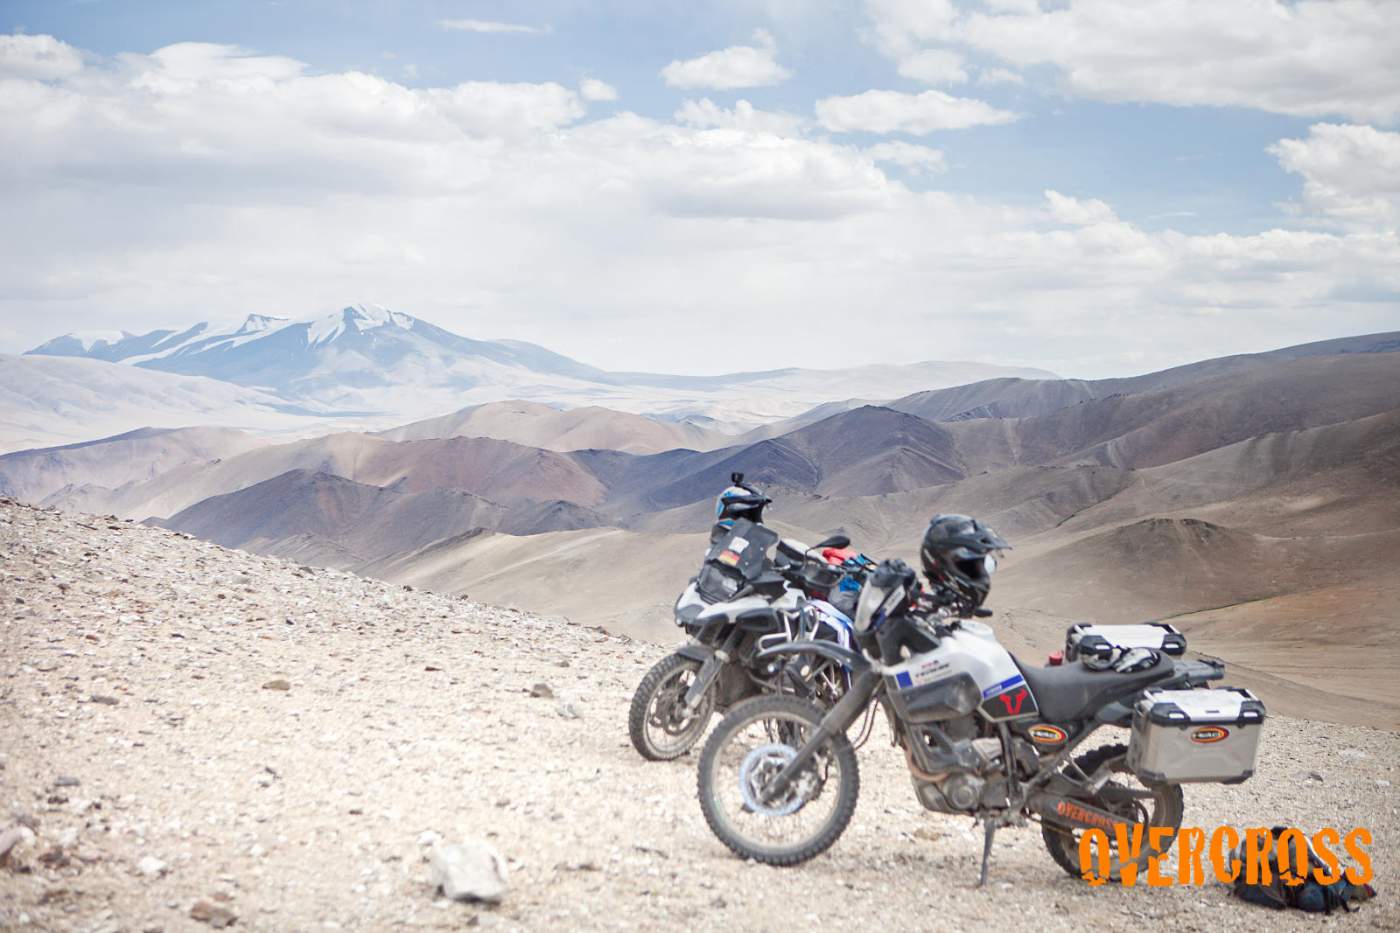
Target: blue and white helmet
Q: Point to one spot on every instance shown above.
(740, 500)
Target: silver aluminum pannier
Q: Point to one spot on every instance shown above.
(1098, 641)
(1195, 735)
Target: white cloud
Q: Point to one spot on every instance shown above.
(185, 65)
(917, 159)
(206, 182)
(42, 58)
(897, 112)
(934, 66)
(488, 26)
(1080, 213)
(735, 67)
(1351, 174)
(593, 89)
(721, 172)
(1013, 6)
(1306, 58)
(999, 76)
(706, 113)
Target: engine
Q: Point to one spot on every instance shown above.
(955, 771)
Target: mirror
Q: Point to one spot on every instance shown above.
(792, 550)
(833, 541)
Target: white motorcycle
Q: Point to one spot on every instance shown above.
(738, 611)
(983, 734)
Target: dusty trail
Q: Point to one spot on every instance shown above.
(136, 721)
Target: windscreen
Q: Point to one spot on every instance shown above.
(735, 559)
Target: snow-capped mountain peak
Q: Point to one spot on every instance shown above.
(352, 359)
(355, 318)
(257, 323)
(91, 338)
(370, 360)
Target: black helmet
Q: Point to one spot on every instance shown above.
(740, 500)
(957, 556)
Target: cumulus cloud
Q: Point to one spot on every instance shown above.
(934, 66)
(921, 160)
(1351, 174)
(897, 112)
(42, 58)
(999, 76)
(205, 181)
(743, 116)
(593, 89)
(1305, 58)
(488, 26)
(735, 67)
(1078, 212)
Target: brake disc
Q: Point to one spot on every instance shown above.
(760, 766)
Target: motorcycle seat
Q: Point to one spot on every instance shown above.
(1072, 692)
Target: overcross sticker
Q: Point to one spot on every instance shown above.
(1047, 735)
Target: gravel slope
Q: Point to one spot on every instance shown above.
(137, 663)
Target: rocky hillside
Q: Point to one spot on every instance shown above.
(200, 736)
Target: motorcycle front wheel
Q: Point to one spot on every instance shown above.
(657, 721)
(748, 748)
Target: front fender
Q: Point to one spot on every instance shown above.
(696, 651)
(848, 659)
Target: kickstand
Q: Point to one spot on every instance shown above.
(989, 829)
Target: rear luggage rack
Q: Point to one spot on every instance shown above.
(1100, 640)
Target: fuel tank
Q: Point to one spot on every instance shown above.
(968, 670)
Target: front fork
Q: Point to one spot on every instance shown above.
(710, 670)
(835, 722)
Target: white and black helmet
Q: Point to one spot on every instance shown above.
(958, 555)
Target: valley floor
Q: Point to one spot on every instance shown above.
(140, 719)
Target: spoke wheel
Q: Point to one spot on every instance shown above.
(745, 752)
(657, 722)
(1147, 804)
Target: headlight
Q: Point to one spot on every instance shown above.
(990, 563)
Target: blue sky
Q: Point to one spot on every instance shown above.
(1179, 207)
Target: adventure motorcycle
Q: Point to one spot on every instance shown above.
(738, 607)
(983, 735)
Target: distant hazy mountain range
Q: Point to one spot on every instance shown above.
(1254, 500)
(367, 366)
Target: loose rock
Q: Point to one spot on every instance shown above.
(216, 915)
(12, 840)
(151, 867)
(469, 871)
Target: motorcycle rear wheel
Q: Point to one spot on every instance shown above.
(1166, 802)
(658, 728)
(748, 747)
